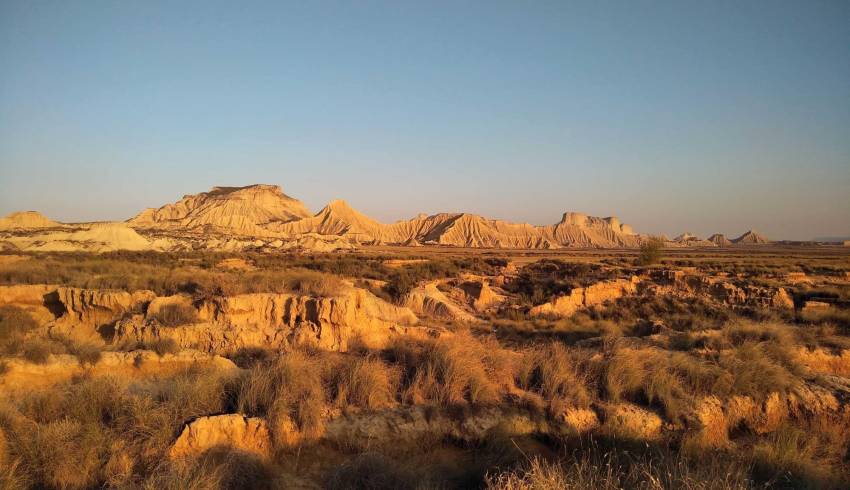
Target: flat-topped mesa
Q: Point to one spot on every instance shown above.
(26, 220)
(241, 210)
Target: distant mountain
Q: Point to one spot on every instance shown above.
(26, 220)
(263, 216)
(243, 210)
(263, 210)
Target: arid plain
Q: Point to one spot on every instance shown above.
(234, 339)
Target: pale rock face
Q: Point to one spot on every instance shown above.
(278, 320)
(235, 431)
(578, 298)
(34, 299)
(87, 311)
(713, 430)
(429, 300)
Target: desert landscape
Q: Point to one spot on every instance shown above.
(441, 245)
(233, 339)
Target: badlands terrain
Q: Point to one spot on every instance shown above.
(234, 339)
(263, 218)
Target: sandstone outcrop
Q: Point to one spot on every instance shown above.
(35, 299)
(234, 431)
(276, 320)
(578, 298)
(754, 296)
(430, 301)
(86, 312)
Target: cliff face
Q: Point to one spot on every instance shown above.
(225, 324)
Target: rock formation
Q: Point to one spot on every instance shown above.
(225, 324)
(751, 238)
(26, 219)
(242, 210)
(578, 298)
(235, 431)
(262, 217)
(720, 240)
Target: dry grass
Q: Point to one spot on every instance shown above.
(175, 315)
(291, 389)
(610, 468)
(366, 382)
(670, 379)
(453, 371)
(553, 372)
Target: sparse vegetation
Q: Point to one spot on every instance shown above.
(772, 376)
(650, 252)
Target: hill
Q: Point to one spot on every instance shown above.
(242, 210)
(26, 220)
(751, 238)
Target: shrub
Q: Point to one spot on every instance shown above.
(673, 380)
(15, 321)
(552, 372)
(452, 370)
(174, 315)
(290, 389)
(650, 251)
(248, 357)
(37, 351)
(366, 382)
(162, 346)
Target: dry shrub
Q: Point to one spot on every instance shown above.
(743, 332)
(366, 382)
(86, 352)
(290, 389)
(314, 283)
(671, 379)
(62, 454)
(38, 351)
(175, 315)
(811, 455)
(613, 469)
(453, 370)
(758, 370)
(552, 371)
(216, 469)
(15, 321)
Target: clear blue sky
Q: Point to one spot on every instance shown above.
(702, 116)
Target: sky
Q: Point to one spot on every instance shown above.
(710, 116)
